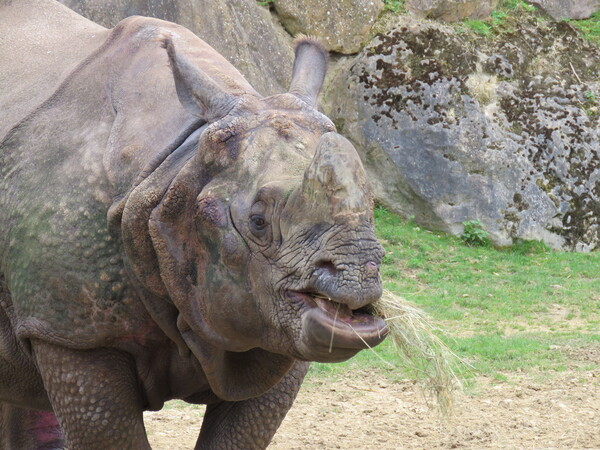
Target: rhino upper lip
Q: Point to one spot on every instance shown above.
(340, 310)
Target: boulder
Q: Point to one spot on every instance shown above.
(451, 10)
(242, 31)
(342, 25)
(452, 127)
(567, 9)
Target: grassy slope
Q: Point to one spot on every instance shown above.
(589, 28)
(502, 310)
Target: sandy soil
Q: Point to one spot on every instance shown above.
(368, 411)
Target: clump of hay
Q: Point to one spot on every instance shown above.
(420, 349)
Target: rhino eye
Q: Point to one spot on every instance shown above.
(258, 223)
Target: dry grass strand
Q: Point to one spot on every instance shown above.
(421, 350)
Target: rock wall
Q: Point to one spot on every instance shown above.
(240, 30)
(567, 9)
(453, 127)
(342, 25)
(451, 10)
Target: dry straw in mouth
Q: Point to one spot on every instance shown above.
(427, 358)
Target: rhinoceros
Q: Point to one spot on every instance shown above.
(168, 233)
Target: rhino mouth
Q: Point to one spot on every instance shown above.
(332, 331)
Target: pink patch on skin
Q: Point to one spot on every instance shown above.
(45, 427)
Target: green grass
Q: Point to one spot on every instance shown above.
(589, 28)
(478, 26)
(503, 310)
(499, 22)
(510, 5)
(500, 19)
(179, 404)
(395, 6)
(383, 358)
(511, 10)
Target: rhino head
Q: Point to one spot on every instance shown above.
(261, 245)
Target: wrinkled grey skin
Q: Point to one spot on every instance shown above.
(167, 233)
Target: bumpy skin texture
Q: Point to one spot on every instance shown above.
(90, 418)
(251, 423)
(168, 233)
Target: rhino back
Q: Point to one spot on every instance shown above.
(112, 118)
(40, 44)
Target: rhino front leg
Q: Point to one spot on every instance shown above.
(95, 396)
(252, 423)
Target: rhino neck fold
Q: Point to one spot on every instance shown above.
(130, 216)
(236, 376)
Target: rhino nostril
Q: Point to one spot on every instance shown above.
(371, 269)
(327, 266)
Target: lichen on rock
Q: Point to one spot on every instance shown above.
(501, 130)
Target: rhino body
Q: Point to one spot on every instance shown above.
(167, 233)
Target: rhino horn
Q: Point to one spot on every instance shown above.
(336, 178)
(198, 93)
(310, 66)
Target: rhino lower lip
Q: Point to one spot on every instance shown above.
(332, 327)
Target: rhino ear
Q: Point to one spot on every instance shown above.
(309, 70)
(198, 93)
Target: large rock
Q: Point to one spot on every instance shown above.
(568, 9)
(240, 30)
(451, 10)
(342, 25)
(454, 128)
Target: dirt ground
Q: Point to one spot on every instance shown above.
(368, 411)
